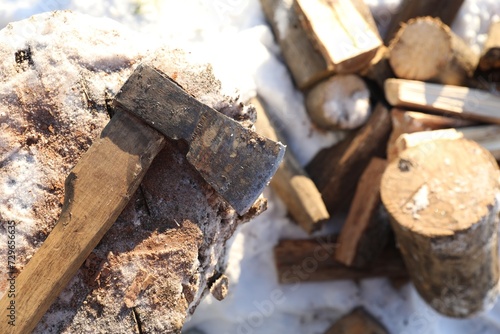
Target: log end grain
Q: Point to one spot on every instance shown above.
(442, 199)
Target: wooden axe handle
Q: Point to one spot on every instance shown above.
(97, 190)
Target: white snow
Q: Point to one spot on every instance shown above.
(233, 35)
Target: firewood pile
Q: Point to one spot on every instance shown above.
(416, 178)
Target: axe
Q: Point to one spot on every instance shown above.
(237, 162)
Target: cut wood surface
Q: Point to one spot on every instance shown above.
(425, 49)
(314, 261)
(339, 102)
(365, 233)
(413, 121)
(358, 321)
(291, 183)
(467, 103)
(306, 64)
(96, 192)
(442, 199)
(490, 58)
(446, 10)
(340, 32)
(336, 170)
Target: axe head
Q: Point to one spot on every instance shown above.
(237, 162)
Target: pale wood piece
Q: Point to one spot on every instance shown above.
(446, 10)
(291, 183)
(97, 190)
(330, 106)
(336, 170)
(413, 121)
(425, 49)
(358, 321)
(467, 103)
(365, 233)
(490, 58)
(488, 136)
(379, 68)
(340, 33)
(314, 261)
(442, 200)
(305, 63)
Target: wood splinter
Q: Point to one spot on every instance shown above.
(442, 199)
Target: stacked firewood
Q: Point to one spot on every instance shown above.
(417, 178)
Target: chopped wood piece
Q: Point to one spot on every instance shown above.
(359, 321)
(414, 139)
(490, 58)
(379, 68)
(412, 121)
(291, 182)
(467, 103)
(426, 49)
(442, 200)
(336, 170)
(446, 10)
(339, 102)
(342, 35)
(314, 260)
(364, 234)
(488, 136)
(306, 64)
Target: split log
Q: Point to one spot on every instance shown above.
(314, 261)
(336, 170)
(340, 32)
(412, 121)
(340, 102)
(291, 182)
(365, 233)
(446, 10)
(441, 197)
(467, 103)
(379, 68)
(490, 58)
(306, 64)
(425, 49)
(358, 321)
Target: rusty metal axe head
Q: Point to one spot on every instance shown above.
(237, 162)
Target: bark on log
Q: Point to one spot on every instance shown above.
(442, 199)
(446, 10)
(340, 32)
(365, 233)
(490, 58)
(314, 261)
(463, 102)
(426, 49)
(358, 321)
(291, 183)
(339, 102)
(336, 170)
(306, 64)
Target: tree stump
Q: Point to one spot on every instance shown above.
(426, 49)
(442, 199)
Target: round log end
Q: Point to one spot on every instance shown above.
(442, 197)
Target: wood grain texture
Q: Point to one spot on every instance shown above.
(490, 58)
(466, 103)
(336, 170)
(365, 233)
(442, 199)
(426, 49)
(96, 191)
(446, 10)
(291, 183)
(358, 321)
(340, 32)
(314, 261)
